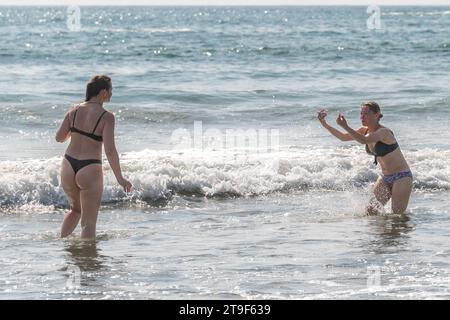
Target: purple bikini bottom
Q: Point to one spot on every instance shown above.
(391, 178)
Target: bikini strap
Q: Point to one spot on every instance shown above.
(98, 121)
(74, 116)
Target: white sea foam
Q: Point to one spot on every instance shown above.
(158, 175)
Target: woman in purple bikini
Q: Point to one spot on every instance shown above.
(396, 180)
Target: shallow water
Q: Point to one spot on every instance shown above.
(275, 247)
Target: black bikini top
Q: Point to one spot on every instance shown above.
(84, 133)
(381, 149)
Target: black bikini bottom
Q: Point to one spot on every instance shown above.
(80, 164)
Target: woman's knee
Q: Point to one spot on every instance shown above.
(398, 209)
(75, 209)
(374, 207)
(371, 211)
(88, 223)
(382, 193)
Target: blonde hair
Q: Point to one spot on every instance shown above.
(373, 106)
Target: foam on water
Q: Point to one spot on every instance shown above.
(158, 175)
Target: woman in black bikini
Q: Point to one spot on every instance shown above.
(396, 179)
(88, 125)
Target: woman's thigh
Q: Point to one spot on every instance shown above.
(70, 186)
(90, 181)
(401, 192)
(381, 191)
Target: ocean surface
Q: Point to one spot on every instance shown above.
(211, 218)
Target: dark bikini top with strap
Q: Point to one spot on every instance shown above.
(381, 149)
(84, 133)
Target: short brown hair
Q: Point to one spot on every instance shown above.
(373, 106)
(97, 84)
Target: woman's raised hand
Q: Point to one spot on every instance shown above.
(340, 120)
(321, 115)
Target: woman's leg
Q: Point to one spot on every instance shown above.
(401, 192)
(382, 194)
(73, 194)
(90, 181)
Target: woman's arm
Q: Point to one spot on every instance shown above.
(63, 131)
(335, 132)
(338, 134)
(111, 151)
(357, 135)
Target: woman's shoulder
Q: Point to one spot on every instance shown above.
(385, 130)
(108, 115)
(75, 106)
(387, 135)
(72, 108)
(362, 130)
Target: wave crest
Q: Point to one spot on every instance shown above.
(159, 175)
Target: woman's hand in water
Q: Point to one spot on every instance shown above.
(321, 115)
(125, 184)
(340, 120)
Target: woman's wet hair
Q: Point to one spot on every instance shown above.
(97, 84)
(373, 106)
